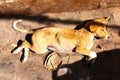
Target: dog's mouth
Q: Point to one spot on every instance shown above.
(102, 37)
(96, 37)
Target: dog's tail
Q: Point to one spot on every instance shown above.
(18, 29)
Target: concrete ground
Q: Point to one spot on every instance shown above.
(106, 67)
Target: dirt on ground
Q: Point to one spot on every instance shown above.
(105, 67)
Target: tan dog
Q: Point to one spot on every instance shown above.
(64, 40)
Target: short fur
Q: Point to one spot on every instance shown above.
(64, 40)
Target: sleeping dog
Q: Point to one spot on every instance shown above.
(63, 40)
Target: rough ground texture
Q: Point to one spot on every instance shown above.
(106, 67)
(34, 7)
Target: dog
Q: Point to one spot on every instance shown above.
(63, 40)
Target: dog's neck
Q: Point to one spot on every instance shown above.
(87, 29)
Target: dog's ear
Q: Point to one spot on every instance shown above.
(93, 25)
(102, 20)
(93, 28)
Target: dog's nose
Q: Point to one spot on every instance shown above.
(107, 37)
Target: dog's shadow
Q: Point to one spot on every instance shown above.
(106, 67)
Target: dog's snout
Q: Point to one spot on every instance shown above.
(107, 37)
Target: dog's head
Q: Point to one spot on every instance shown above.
(98, 28)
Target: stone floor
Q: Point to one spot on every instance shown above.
(106, 67)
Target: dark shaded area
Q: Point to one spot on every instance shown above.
(82, 24)
(41, 19)
(28, 38)
(106, 67)
(49, 21)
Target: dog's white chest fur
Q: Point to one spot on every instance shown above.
(90, 45)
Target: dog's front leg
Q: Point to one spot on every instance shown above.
(86, 52)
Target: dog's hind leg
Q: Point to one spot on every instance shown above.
(35, 47)
(16, 51)
(26, 54)
(24, 44)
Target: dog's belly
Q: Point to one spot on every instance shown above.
(62, 48)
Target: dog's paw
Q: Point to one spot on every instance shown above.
(23, 60)
(14, 45)
(13, 51)
(91, 59)
(88, 62)
(92, 55)
(16, 51)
